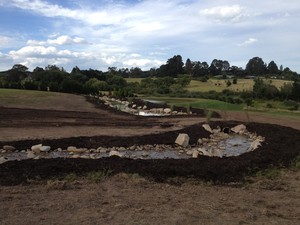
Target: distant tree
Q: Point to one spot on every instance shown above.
(286, 90)
(272, 68)
(228, 83)
(172, 68)
(136, 72)
(188, 66)
(116, 82)
(296, 91)
(256, 66)
(19, 68)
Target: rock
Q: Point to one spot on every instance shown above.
(195, 154)
(122, 149)
(200, 141)
(144, 107)
(3, 160)
(85, 157)
(76, 156)
(71, 149)
(74, 149)
(115, 153)
(217, 153)
(189, 152)
(255, 144)
(204, 152)
(45, 148)
(207, 128)
(8, 148)
(167, 110)
(36, 148)
(239, 129)
(216, 131)
(30, 155)
(183, 140)
(145, 154)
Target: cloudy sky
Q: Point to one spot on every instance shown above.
(127, 33)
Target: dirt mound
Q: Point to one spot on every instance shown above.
(281, 146)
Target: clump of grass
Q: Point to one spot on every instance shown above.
(208, 116)
(97, 176)
(270, 173)
(296, 163)
(71, 177)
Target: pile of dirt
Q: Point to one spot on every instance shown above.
(281, 146)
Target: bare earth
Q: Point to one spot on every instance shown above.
(131, 198)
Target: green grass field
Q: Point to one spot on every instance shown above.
(199, 103)
(22, 97)
(220, 85)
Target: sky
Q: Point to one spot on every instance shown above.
(99, 34)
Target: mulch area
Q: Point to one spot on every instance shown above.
(281, 146)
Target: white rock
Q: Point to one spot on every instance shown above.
(71, 149)
(8, 148)
(255, 144)
(2, 160)
(207, 128)
(30, 155)
(36, 148)
(195, 154)
(45, 148)
(205, 152)
(167, 110)
(217, 153)
(183, 140)
(115, 153)
(190, 152)
(239, 129)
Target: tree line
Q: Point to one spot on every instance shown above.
(169, 79)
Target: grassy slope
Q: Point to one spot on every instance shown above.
(22, 97)
(220, 84)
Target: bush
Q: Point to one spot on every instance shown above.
(293, 105)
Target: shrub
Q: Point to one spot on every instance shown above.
(293, 105)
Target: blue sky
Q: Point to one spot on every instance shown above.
(102, 33)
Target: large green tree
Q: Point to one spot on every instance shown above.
(256, 66)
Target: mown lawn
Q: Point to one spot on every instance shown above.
(198, 103)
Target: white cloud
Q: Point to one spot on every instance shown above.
(142, 63)
(232, 13)
(5, 41)
(61, 40)
(250, 41)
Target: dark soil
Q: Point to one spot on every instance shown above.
(281, 146)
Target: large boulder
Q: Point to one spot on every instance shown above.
(239, 129)
(36, 148)
(183, 140)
